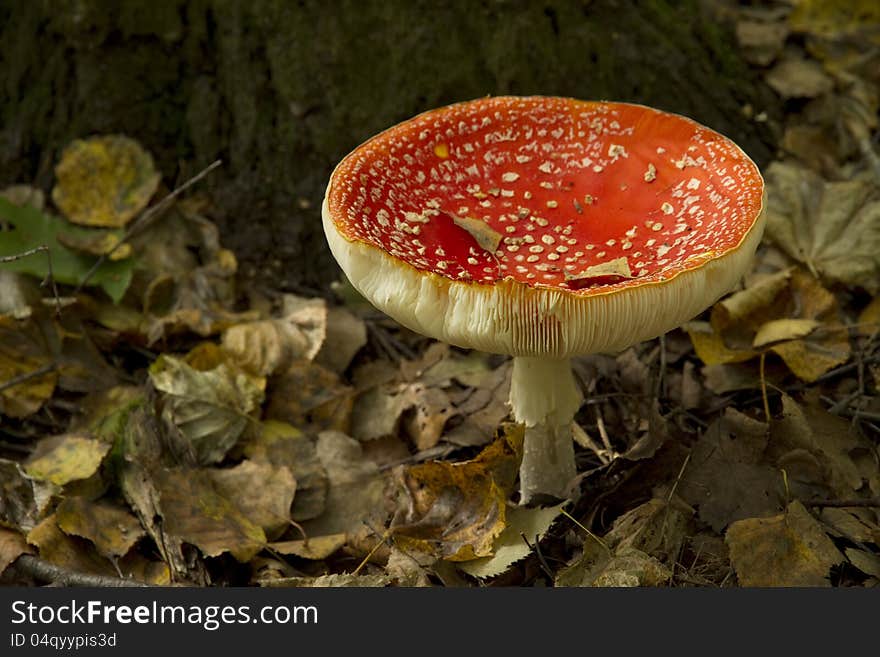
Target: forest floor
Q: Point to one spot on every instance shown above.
(160, 426)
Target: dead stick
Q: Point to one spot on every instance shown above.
(48, 572)
(27, 376)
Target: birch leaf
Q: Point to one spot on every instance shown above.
(832, 227)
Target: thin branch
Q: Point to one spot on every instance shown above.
(44, 571)
(145, 218)
(27, 376)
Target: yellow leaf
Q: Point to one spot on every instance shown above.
(778, 330)
(112, 529)
(62, 459)
(789, 549)
(104, 181)
(315, 548)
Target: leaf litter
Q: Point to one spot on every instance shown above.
(166, 428)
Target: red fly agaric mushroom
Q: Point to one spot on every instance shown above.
(544, 228)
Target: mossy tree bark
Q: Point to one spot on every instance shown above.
(281, 90)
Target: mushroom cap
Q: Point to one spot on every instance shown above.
(544, 226)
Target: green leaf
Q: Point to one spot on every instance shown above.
(31, 228)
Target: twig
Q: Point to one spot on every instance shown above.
(48, 572)
(145, 218)
(27, 376)
(544, 565)
(588, 532)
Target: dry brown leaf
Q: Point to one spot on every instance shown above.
(314, 548)
(70, 553)
(483, 234)
(799, 78)
(789, 549)
(12, 546)
(726, 478)
(311, 397)
(193, 511)
(281, 444)
(356, 490)
(111, 528)
(262, 492)
(455, 510)
(788, 313)
(335, 580)
(24, 349)
(831, 440)
(832, 227)
(346, 334)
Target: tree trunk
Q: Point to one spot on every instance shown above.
(281, 90)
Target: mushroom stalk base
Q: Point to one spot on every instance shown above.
(544, 397)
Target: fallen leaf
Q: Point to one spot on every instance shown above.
(281, 444)
(867, 562)
(104, 180)
(194, 512)
(65, 458)
(12, 546)
(406, 570)
(335, 580)
(97, 242)
(111, 528)
(24, 349)
(210, 408)
(727, 478)
(262, 492)
(455, 510)
(633, 551)
(788, 313)
(23, 500)
(605, 272)
(831, 439)
(842, 522)
(267, 346)
(315, 548)
(68, 552)
(431, 409)
(141, 453)
(485, 236)
(832, 227)
(761, 40)
(522, 523)
(346, 334)
(310, 396)
(789, 549)
(779, 330)
(356, 488)
(799, 78)
(376, 413)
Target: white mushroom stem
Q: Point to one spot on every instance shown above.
(544, 397)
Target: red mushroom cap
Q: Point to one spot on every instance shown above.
(549, 201)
